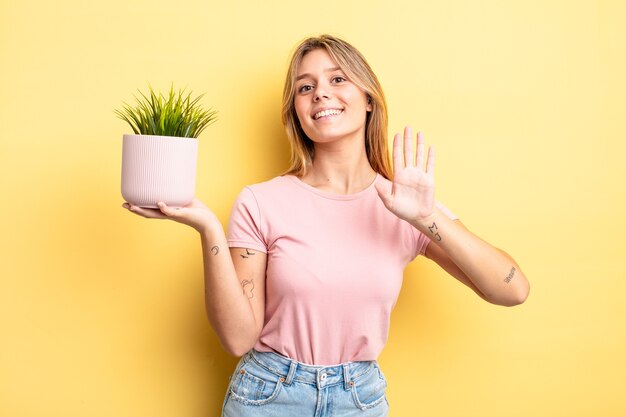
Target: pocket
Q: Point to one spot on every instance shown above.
(369, 389)
(254, 385)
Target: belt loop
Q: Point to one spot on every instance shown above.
(346, 377)
(292, 372)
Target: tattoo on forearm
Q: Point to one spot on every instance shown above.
(247, 255)
(215, 250)
(432, 229)
(248, 288)
(510, 276)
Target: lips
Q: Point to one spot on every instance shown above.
(326, 113)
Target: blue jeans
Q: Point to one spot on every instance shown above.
(269, 384)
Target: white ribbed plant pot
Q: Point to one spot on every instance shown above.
(158, 168)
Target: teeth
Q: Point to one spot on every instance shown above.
(326, 113)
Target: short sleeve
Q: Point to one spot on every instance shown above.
(244, 224)
(422, 239)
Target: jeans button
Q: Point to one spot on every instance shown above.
(323, 377)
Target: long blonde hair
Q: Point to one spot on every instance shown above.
(356, 68)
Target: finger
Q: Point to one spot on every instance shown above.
(419, 156)
(384, 193)
(408, 147)
(397, 152)
(170, 211)
(430, 164)
(145, 212)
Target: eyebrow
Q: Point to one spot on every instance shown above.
(301, 76)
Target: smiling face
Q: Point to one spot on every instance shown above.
(329, 106)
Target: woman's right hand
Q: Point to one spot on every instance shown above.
(195, 214)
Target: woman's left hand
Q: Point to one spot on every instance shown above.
(412, 195)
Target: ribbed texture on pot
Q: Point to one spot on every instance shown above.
(158, 168)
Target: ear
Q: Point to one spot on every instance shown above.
(369, 104)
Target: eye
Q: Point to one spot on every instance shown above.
(338, 79)
(304, 88)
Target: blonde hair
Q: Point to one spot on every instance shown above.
(356, 68)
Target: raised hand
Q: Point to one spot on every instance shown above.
(412, 194)
(195, 214)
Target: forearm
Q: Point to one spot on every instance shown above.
(228, 309)
(497, 276)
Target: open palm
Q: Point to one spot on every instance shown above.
(196, 214)
(412, 194)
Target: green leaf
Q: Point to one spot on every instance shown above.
(174, 114)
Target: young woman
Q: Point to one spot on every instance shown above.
(316, 255)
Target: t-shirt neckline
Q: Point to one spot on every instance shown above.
(331, 195)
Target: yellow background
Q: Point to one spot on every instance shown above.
(101, 312)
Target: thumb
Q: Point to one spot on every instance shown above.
(384, 192)
(170, 211)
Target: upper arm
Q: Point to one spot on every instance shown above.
(250, 266)
(441, 258)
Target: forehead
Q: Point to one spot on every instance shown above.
(317, 60)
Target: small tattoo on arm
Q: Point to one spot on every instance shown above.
(432, 229)
(215, 250)
(248, 254)
(248, 288)
(510, 276)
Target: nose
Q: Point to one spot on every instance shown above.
(321, 93)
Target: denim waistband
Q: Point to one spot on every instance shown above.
(322, 376)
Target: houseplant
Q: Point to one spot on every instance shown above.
(159, 159)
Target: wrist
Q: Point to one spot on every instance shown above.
(425, 224)
(209, 225)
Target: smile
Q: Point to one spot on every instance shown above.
(325, 113)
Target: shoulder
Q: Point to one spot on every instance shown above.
(268, 192)
(277, 183)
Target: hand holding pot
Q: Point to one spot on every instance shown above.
(195, 214)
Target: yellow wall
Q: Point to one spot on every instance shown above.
(101, 312)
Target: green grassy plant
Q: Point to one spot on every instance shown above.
(176, 114)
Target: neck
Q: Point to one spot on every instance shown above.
(341, 168)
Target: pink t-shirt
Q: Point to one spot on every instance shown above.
(334, 267)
